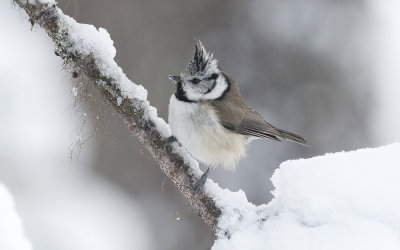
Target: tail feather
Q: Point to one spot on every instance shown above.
(292, 137)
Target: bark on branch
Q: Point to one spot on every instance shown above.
(134, 111)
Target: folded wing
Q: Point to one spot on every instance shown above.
(237, 116)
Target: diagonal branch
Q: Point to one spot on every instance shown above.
(89, 52)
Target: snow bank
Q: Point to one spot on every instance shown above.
(11, 231)
(337, 201)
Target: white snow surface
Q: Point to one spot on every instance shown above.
(337, 201)
(11, 230)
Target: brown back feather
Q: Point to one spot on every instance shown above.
(237, 116)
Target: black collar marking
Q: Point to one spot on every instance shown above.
(214, 77)
(210, 89)
(227, 88)
(181, 95)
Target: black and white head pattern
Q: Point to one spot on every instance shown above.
(202, 79)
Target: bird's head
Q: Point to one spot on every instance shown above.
(202, 79)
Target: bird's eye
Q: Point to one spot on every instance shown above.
(213, 76)
(195, 80)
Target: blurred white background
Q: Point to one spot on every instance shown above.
(325, 69)
(62, 202)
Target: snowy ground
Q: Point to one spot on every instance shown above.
(11, 231)
(336, 201)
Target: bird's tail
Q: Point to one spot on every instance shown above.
(292, 137)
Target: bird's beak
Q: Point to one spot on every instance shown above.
(175, 78)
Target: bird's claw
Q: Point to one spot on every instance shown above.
(199, 185)
(170, 140)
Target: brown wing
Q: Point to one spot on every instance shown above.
(237, 116)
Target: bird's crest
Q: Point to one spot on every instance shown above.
(202, 63)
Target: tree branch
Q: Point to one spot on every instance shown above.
(128, 99)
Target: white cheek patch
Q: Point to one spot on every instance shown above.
(220, 86)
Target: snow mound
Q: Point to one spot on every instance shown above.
(336, 201)
(11, 231)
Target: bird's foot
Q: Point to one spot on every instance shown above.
(198, 187)
(170, 140)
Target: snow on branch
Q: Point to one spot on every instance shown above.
(90, 52)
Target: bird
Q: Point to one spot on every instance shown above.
(209, 117)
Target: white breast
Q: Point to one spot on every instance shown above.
(197, 128)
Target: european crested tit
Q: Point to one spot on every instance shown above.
(209, 117)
